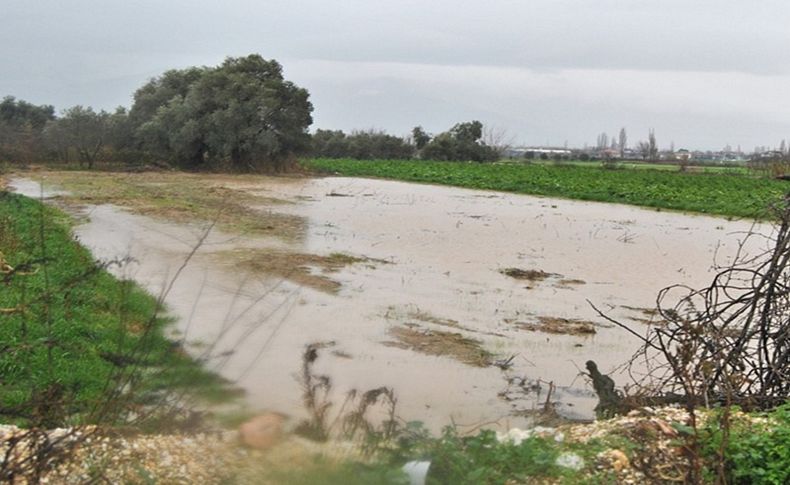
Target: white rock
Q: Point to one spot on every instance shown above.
(570, 460)
(516, 436)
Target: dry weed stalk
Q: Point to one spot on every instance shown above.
(350, 425)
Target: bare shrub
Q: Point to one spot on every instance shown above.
(722, 345)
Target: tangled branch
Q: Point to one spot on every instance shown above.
(729, 341)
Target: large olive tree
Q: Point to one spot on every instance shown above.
(241, 115)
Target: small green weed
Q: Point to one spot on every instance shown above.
(758, 448)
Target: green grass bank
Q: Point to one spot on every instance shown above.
(726, 194)
(78, 345)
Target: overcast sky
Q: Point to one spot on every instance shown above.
(703, 73)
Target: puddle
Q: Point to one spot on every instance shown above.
(445, 250)
(33, 189)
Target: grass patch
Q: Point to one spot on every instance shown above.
(712, 193)
(182, 197)
(73, 338)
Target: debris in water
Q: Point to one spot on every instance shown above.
(527, 274)
(556, 325)
(434, 342)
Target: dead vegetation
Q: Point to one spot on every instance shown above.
(648, 312)
(648, 316)
(539, 276)
(439, 343)
(353, 419)
(413, 316)
(556, 325)
(410, 312)
(659, 458)
(304, 269)
(527, 274)
(725, 345)
(181, 197)
(429, 318)
(727, 342)
(568, 282)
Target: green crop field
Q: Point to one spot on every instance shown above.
(728, 193)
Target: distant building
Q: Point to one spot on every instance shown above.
(533, 152)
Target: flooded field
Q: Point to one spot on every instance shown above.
(417, 287)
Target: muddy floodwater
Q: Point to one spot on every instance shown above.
(494, 274)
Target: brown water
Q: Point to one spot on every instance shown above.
(446, 247)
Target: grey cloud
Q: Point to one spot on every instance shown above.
(573, 65)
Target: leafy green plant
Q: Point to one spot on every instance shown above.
(482, 459)
(757, 450)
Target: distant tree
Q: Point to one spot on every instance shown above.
(461, 143)
(469, 132)
(80, 130)
(644, 149)
(498, 139)
(622, 142)
(19, 113)
(361, 145)
(377, 145)
(652, 146)
(420, 137)
(121, 138)
(602, 142)
(330, 144)
(242, 115)
(21, 125)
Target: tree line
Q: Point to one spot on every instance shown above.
(462, 142)
(240, 115)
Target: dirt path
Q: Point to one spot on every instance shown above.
(390, 271)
